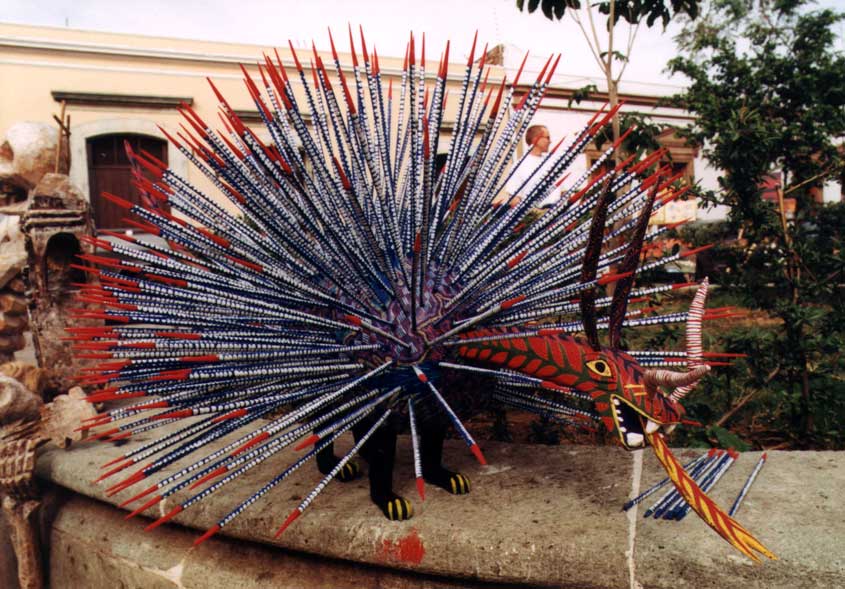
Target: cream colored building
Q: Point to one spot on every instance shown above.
(116, 86)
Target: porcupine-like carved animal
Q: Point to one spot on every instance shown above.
(355, 276)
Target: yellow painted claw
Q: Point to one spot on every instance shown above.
(727, 527)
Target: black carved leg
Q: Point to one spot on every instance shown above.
(380, 452)
(431, 454)
(326, 461)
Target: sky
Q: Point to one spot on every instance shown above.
(386, 24)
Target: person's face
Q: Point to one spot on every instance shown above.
(541, 145)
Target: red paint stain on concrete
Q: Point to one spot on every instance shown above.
(408, 549)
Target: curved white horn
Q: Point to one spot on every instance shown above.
(694, 347)
(667, 378)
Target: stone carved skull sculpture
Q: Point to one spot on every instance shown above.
(27, 152)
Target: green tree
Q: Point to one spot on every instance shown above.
(768, 92)
(605, 50)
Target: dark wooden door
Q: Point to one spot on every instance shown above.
(109, 171)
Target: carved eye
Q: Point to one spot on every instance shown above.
(600, 367)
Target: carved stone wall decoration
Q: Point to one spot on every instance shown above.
(56, 219)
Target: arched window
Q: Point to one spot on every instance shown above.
(109, 171)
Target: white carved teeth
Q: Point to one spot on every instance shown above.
(615, 401)
(668, 429)
(651, 427)
(634, 440)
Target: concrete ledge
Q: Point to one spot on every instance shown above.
(537, 516)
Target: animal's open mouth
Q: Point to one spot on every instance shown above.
(632, 423)
(628, 423)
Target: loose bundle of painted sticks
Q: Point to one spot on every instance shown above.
(706, 470)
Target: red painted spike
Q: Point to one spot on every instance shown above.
(200, 129)
(355, 321)
(173, 513)
(293, 515)
(543, 71)
(622, 138)
(172, 375)
(205, 358)
(147, 407)
(208, 476)
(169, 137)
(517, 259)
(281, 66)
(101, 243)
(295, 58)
(309, 441)
(347, 185)
(563, 178)
(238, 153)
(519, 71)
(179, 335)
(552, 71)
(331, 43)
(376, 66)
(101, 417)
(597, 114)
(174, 414)
(263, 75)
(363, 41)
(97, 398)
(230, 415)
(422, 52)
(140, 495)
(349, 102)
(352, 47)
(148, 227)
(723, 316)
(208, 534)
(697, 250)
(511, 302)
(521, 102)
(217, 93)
(421, 488)
(115, 461)
(550, 332)
(608, 278)
(121, 202)
(90, 426)
(253, 442)
(472, 51)
(150, 157)
(122, 436)
(115, 489)
(192, 114)
(412, 57)
(325, 75)
(683, 285)
(478, 455)
(495, 110)
(105, 433)
(145, 506)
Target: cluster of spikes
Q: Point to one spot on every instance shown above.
(349, 272)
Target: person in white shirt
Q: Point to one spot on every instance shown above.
(538, 138)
